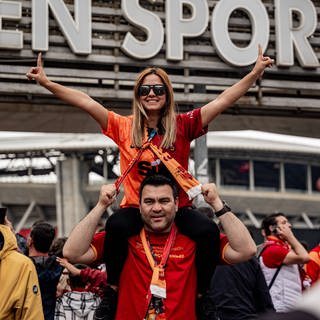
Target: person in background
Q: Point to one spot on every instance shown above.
(57, 247)
(63, 284)
(280, 258)
(20, 297)
(307, 307)
(48, 269)
(306, 281)
(95, 279)
(79, 303)
(237, 291)
(56, 250)
(312, 268)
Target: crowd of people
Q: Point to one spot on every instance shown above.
(159, 257)
(66, 279)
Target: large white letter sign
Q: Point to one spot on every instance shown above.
(147, 21)
(287, 35)
(179, 27)
(10, 39)
(259, 19)
(77, 31)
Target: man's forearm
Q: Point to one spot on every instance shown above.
(241, 245)
(299, 250)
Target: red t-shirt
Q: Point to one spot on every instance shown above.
(97, 245)
(180, 275)
(275, 252)
(189, 127)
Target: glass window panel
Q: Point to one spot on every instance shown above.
(315, 176)
(267, 174)
(234, 172)
(295, 176)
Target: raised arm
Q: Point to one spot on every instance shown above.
(69, 266)
(70, 96)
(77, 247)
(241, 245)
(298, 254)
(228, 97)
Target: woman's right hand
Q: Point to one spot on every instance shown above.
(37, 73)
(69, 95)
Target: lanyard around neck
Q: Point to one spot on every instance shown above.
(166, 251)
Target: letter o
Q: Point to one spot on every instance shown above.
(226, 49)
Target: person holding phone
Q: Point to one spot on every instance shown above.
(280, 258)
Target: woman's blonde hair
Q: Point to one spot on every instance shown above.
(167, 122)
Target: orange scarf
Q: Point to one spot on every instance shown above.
(184, 178)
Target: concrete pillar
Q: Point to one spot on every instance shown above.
(71, 205)
(201, 166)
(201, 155)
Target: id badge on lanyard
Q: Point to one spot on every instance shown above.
(158, 283)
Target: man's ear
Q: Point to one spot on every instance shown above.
(176, 202)
(29, 241)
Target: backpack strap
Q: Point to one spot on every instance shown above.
(277, 271)
(274, 276)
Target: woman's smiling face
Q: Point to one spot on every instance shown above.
(152, 102)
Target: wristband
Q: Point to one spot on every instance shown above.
(224, 209)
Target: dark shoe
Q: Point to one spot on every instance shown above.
(108, 305)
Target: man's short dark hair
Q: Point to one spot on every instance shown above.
(158, 180)
(270, 220)
(57, 246)
(42, 235)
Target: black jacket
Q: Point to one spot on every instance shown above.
(239, 292)
(49, 272)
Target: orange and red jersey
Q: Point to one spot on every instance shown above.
(312, 268)
(189, 127)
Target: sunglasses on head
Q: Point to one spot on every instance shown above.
(158, 89)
